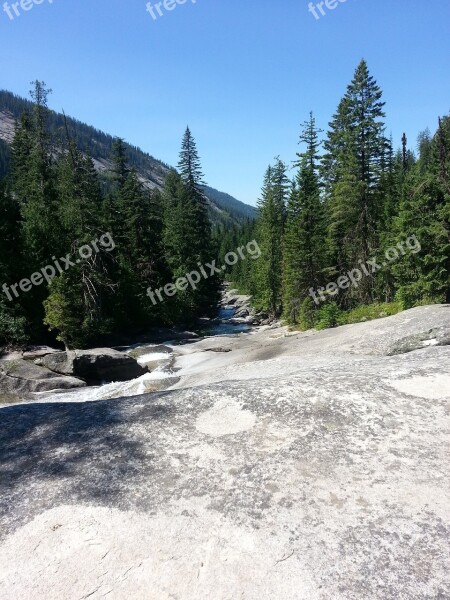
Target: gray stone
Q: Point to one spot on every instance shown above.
(34, 352)
(217, 349)
(434, 337)
(94, 366)
(22, 377)
(308, 467)
(242, 312)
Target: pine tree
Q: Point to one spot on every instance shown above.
(34, 179)
(391, 192)
(269, 233)
(304, 246)
(142, 254)
(33, 185)
(189, 164)
(13, 325)
(75, 307)
(187, 234)
(353, 166)
(197, 222)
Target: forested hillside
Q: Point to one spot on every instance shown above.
(99, 146)
(82, 259)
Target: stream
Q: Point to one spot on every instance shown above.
(158, 358)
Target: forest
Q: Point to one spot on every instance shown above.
(54, 202)
(353, 196)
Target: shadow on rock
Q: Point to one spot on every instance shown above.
(71, 453)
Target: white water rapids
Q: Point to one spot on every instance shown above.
(159, 358)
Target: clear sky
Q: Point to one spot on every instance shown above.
(242, 73)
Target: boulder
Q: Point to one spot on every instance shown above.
(99, 365)
(22, 377)
(242, 312)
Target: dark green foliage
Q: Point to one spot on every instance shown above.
(308, 314)
(13, 328)
(75, 306)
(56, 203)
(304, 257)
(65, 313)
(13, 325)
(268, 270)
(353, 167)
(328, 316)
(187, 235)
(343, 208)
(34, 181)
(229, 240)
(425, 212)
(33, 186)
(364, 200)
(5, 159)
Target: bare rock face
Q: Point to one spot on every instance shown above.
(21, 377)
(314, 467)
(35, 352)
(438, 336)
(94, 366)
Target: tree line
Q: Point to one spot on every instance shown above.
(353, 197)
(53, 202)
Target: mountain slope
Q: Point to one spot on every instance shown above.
(223, 207)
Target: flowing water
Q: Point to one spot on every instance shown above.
(158, 358)
(221, 326)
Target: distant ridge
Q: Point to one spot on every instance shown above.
(224, 209)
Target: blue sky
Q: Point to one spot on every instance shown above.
(243, 74)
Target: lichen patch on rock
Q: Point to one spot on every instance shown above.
(226, 417)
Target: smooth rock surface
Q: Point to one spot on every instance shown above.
(309, 466)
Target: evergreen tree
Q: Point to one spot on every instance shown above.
(353, 166)
(305, 233)
(75, 307)
(34, 187)
(425, 276)
(142, 253)
(13, 325)
(269, 233)
(187, 234)
(342, 209)
(391, 192)
(189, 164)
(34, 179)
